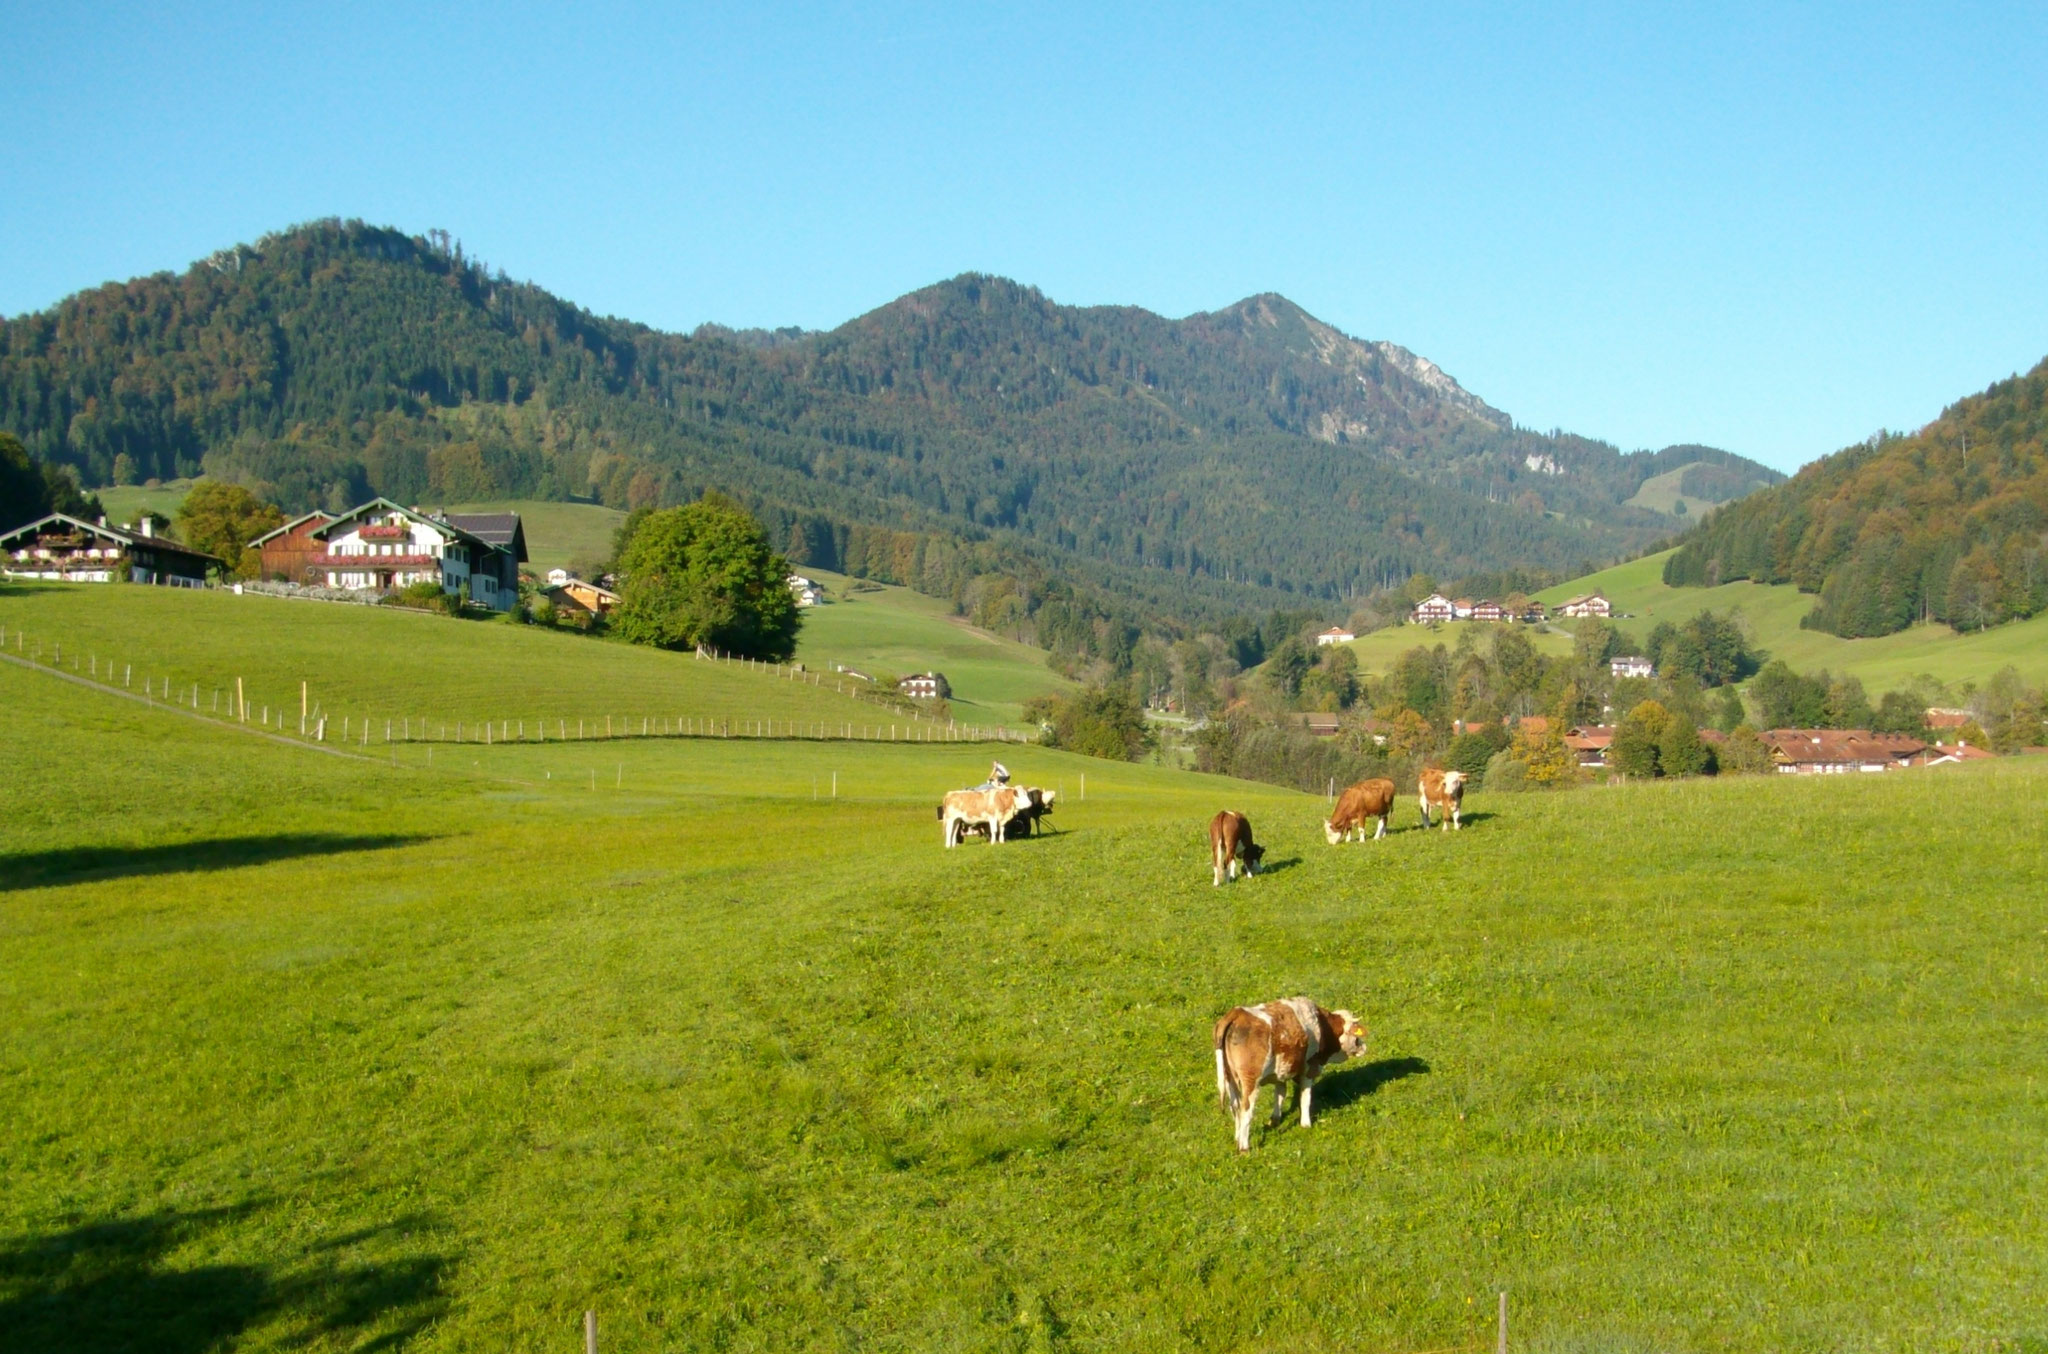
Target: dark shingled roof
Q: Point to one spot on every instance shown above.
(501, 529)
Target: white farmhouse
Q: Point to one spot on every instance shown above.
(380, 546)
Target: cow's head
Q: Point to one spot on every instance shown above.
(1252, 856)
(1332, 832)
(1351, 1034)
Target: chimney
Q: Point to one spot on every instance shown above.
(148, 527)
(103, 519)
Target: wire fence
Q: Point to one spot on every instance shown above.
(231, 700)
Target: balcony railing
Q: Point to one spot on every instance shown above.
(373, 562)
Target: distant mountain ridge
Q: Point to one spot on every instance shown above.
(1231, 458)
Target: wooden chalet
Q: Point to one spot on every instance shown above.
(1336, 634)
(1825, 752)
(574, 596)
(1586, 604)
(1631, 665)
(66, 550)
(1589, 743)
(1486, 610)
(288, 551)
(926, 686)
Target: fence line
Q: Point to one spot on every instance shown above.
(316, 724)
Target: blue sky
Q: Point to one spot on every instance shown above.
(1774, 228)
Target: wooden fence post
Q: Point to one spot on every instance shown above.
(590, 1333)
(1500, 1343)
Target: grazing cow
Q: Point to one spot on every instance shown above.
(1036, 806)
(1230, 838)
(1367, 799)
(1446, 791)
(1288, 1040)
(992, 808)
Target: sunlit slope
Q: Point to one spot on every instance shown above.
(557, 533)
(312, 1054)
(1773, 612)
(896, 631)
(1378, 651)
(386, 663)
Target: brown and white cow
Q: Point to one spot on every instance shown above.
(1035, 806)
(1445, 790)
(1367, 799)
(1281, 1041)
(991, 808)
(1230, 840)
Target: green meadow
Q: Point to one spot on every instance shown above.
(557, 533)
(1379, 650)
(417, 670)
(325, 1052)
(1773, 612)
(893, 630)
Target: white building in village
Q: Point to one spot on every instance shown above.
(380, 546)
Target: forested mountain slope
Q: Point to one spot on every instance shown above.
(1949, 523)
(1228, 458)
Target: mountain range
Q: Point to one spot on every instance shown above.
(1245, 456)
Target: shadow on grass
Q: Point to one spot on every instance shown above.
(1276, 866)
(1347, 1084)
(35, 869)
(1467, 819)
(109, 1286)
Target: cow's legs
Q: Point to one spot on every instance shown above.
(1279, 1103)
(1305, 1090)
(1381, 830)
(1457, 816)
(1425, 813)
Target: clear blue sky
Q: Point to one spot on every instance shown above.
(1775, 228)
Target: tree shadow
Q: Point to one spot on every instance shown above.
(1347, 1084)
(107, 1287)
(37, 869)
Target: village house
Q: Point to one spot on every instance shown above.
(1534, 613)
(807, 593)
(1321, 725)
(1631, 665)
(1336, 634)
(288, 551)
(1485, 610)
(1589, 743)
(1586, 604)
(379, 547)
(1821, 752)
(65, 549)
(926, 686)
(574, 597)
(1938, 717)
(557, 577)
(1435, 607)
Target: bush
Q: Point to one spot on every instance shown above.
(704, 574)
(1503, 772)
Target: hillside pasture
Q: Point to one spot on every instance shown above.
(410, 667)
(313, 1052)
(894, 630)
(557, 533)
(1773, 612)
(1379, 650)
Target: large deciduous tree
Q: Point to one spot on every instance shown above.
(705, 574)
(222, 519)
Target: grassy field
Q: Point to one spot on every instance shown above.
(299, 1051)
(1773, 613)
(124, 502)
(897, 631)
(557, 533)
(1378, 651)
(410, 667)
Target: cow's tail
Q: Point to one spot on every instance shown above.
(1226, 1086)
